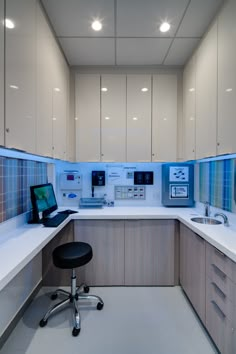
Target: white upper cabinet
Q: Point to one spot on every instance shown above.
(189, 109)
(88, 117)
(59, 104)
(1, 72)
(164, 118)
(45, 68)
(226, 141)
(52, 92)
(206, 95)
(21, 75)
(139, 118)
(113, 118)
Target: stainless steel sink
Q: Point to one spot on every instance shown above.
(205, 220)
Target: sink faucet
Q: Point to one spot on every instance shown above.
(225, 218)
(207, 209)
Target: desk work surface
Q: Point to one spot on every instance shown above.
(21, 242)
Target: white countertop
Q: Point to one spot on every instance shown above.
(20, 242)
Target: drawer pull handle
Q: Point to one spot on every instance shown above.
(218, 290)
(219, 253)
(218, 309)
(219, 272)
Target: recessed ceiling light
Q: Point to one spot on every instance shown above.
(76, 118)
(229, 90)
(192, 89)
(9, 23)
(57, 89)
(107, 118)
(54, 118)
(144, 89)
(104, 89)
(135, 118)
(96, 25)
(164, 27)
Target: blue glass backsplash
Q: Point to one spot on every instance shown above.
(217, 183)
(16, 177)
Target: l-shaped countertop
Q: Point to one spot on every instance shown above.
(21, 242)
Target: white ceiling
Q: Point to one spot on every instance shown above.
(130, 34)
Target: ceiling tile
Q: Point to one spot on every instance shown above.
(180, 51)
(74, 17)
(89, 51)
(198, 16)
(138, 18)
(142, 51)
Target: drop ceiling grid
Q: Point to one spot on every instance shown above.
(130, 34)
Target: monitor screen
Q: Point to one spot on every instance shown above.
(43, 200)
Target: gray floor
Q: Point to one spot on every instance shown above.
(133, 321)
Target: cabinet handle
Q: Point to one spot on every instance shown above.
(218, 309)
(219, 272)
(219, 253)
(218, 290)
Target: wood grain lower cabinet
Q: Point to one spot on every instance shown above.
(220, 299)
(51, 275)
(134, 252)
(192, 268)
(150, 252)
(107, 240)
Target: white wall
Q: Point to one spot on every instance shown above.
(153, 192)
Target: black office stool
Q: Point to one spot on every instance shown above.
(70, 256)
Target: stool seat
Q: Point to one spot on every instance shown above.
(72, 255)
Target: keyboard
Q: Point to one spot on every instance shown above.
(68, 212)
(55, 220)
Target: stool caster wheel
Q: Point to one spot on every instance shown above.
(75, 332)
(86, 289)
(43, 323)
(99, 306)
(54, 296)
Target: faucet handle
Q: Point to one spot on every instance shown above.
(207, 208)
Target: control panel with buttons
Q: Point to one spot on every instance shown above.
(130, 192)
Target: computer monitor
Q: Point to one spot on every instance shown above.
(43, 200)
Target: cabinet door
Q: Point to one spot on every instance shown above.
(21, 75)
(149, 252)
(107, 240)
(206, 95)
(88, 118)
(192, 269)
(45, 69)
(59, 105)
(164, 120)
(1, 72)
(226, 142)
(139, 118)
(113, 118)
(189, 109)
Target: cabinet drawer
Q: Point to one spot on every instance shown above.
(220, 328)
(224, 283)
(215, 294)
(221, 261)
